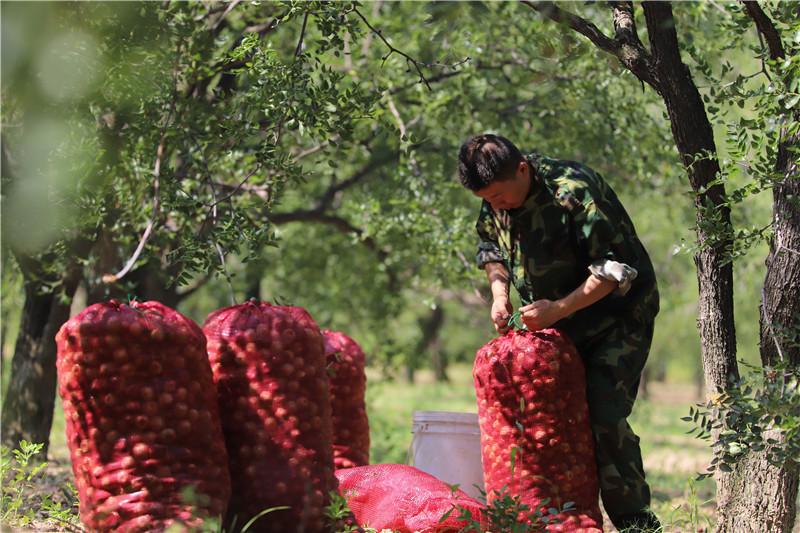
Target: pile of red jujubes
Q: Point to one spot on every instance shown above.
(269, 369)
(141, 418)
(346, 367)
(531, 393)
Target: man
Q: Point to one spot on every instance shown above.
(557, 232)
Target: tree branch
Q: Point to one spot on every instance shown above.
(302, 36)
(318, 213)
(625, 46)
(576, 23)
(319, 216)
(326, 198)
(409, 59)
(231, 7)
(766, 28)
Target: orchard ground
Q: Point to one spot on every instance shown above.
(672, 458)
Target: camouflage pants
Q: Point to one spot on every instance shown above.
(614, 356)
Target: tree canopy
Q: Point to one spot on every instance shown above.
(329, 131)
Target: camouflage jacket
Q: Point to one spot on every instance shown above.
(571, 224)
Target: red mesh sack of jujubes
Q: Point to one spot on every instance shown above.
(403, 499)
(141, 418)
(301, 315)
(536, 438)
(274, 394)
(346, 368)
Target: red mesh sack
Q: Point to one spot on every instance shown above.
(346, 368)
(141, 418)
(301, 315)
(405, 499)
(531, 393)
(275, 396)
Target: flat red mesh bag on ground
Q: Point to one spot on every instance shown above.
(141, 418)
(274, 395)
(346, 368)
(404, 499)
(531, 391)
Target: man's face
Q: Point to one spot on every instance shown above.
(508, 193)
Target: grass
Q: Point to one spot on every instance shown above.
(391, 404)
(672, 458)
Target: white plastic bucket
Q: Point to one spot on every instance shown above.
(447, 445)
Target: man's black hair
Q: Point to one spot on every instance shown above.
(486, 158)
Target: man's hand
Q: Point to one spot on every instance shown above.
(501, 312)
(501, 307)
(541, 314)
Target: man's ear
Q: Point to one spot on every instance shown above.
(523, 167)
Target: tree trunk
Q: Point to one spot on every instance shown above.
(757, 497)
(30, 399)
(431, 342)
(763, 497)
(781, 304)
(644, 381)
(694, 138)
